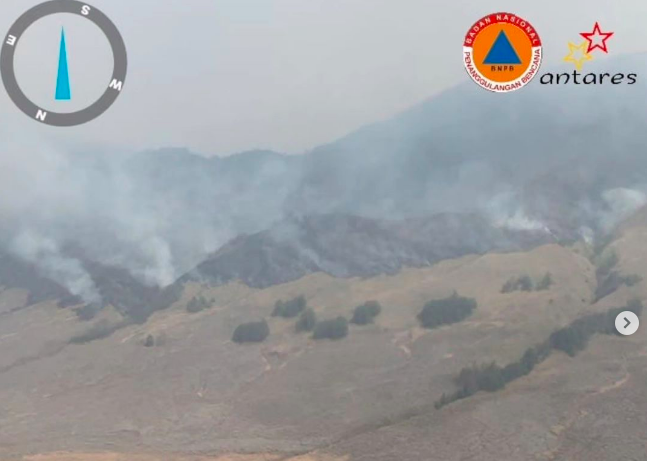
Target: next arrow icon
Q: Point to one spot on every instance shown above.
(627, 323)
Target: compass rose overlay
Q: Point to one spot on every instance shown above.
(113, 87)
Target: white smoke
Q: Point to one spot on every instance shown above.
(158, 217)
(506, 211)
(45, 254)
(622, 203)
(160, 270)
(587, 234)
(518, 220)
(58, 209)
(49, 201)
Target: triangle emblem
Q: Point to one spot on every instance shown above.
(502, 52)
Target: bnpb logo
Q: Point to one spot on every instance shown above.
(502, 52)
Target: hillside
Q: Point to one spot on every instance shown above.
(123, 280)
(560, 162)
(197, 391)
(351, 246)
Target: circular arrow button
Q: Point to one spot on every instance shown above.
(627, 323)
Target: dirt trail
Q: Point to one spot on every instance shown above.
(580, 411)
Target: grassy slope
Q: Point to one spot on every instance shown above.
(197, 391)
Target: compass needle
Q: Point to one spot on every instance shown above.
(63, 92)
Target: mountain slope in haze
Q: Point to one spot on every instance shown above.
(534, 151)
(530, 152)
(339, 245)
(564, 159)
(351, 246)
(15, 273)
(115, 287)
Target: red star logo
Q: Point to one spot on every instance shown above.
(597, 39)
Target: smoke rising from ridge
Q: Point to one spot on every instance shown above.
(46, 255)
(57, 210)
(158, 214)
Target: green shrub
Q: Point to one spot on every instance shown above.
(509, 286)
(87, 312)
(487, 377)
(571, 339)
(522, 283)
(574, 338)
(366, 313)
(289, 309)
(331, 329)
(635, 306)
(252, 332)
(606, 262)
(197, 304)
(446, 311)
(529, 360)
(612, 281)
(307, 321)
(545, 283)
(631, 280)
(490, 377)
(525, 283)
(150, 341)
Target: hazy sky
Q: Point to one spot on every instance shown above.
(221, 76)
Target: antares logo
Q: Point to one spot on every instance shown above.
(595, 42)
(502, 52)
